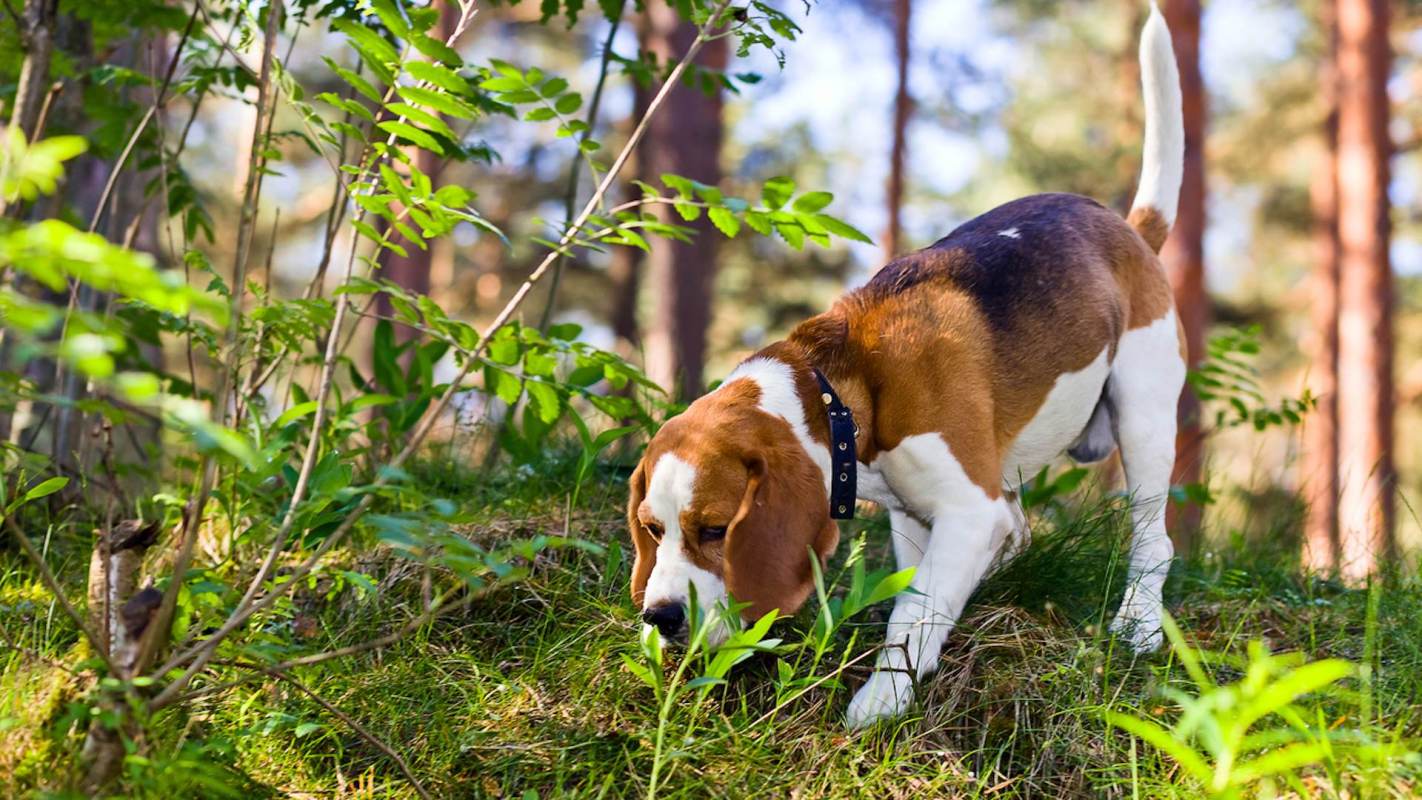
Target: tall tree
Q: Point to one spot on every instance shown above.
(625, 272)
(1184, 255)
(903, 105)
(1319, 462)
(685, 139)
(1365, 380)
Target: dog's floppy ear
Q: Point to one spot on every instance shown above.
(645, 545)
(784, 513)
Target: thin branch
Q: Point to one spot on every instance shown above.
(52, 583)
(158, 629)
(374, 740)
(570, 196)
(203, 651)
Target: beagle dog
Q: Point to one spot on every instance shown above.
(1043, 326)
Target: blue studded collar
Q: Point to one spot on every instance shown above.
(844, 462)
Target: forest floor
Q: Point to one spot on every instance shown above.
(525, 693)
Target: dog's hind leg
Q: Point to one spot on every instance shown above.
(1144, 388)
(1098, 439)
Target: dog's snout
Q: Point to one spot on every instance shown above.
(667, 618)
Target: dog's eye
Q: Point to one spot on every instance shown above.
(713, 533)
(655, 530)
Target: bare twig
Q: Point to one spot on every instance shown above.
(203, 651)
(360, 730)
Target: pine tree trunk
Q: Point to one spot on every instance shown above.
(37, 38)
(1184, 259)
(1318, 479)
(684, 138)
(1365, 381)
(903, 105)
(625, 271)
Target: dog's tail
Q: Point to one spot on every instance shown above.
(1158, 195)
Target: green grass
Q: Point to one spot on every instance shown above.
(525, 691)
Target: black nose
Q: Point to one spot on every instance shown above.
(668, 617)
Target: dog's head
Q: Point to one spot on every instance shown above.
(726, 500)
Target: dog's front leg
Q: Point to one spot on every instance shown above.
(962, 545)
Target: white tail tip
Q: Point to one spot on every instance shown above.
(1163, 161)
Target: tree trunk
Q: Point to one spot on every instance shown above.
(625, 271)
(903, 104)
(37, 37)
(1365, 389)
(1184, 259)
(684, 139)
(1318, 480)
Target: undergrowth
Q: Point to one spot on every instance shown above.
(525, 692)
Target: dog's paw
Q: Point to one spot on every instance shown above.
(885, 695)
(1142, 632)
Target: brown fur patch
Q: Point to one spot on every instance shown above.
(753, 478)
(1152, 227)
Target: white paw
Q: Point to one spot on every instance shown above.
(1141, 631)
(884, 696)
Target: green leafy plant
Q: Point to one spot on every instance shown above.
(1229, 378)
(1261, 729)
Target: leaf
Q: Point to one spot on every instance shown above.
(437, 75)
(295, 413)
(640, 670)
(504, 84)
(890, 586)
(546, 401)
(1281, 761)
(776, 191)
(569, 103)
(810, 202)
(842, 229)
(1284, 690)
(438, 101)
(437, 50)
(724, 221)
(44, 488)
(504, 385)
(355, 81)
(412, 134)
(1160, 738)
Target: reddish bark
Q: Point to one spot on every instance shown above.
(1318, 467)
(1365, 381)
(903, 105)
(683, 138)
(1184, 259)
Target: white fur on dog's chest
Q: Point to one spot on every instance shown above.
(1057, 423)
